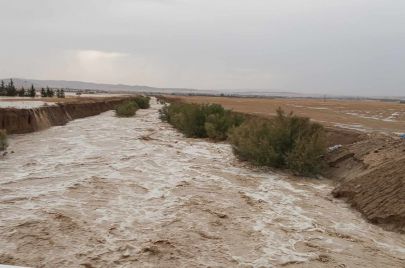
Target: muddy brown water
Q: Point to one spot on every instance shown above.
(115, 192)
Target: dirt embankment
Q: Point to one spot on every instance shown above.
(18, 121)
(372, 179)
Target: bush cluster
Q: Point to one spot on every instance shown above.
(126, 109)
(161, 101)
(143, 102)
(129, 108)
(3, 140)
(286, 141)
(201, 121)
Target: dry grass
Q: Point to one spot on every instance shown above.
(360, 114)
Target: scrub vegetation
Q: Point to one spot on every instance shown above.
(126, 109)
(129, 108)
(286, 141)
(201, 121)
(143, 102)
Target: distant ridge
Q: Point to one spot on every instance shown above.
(120, 88)
(79, 85)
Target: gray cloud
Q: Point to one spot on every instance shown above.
(332, 47)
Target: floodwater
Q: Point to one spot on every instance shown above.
(132, 192)
(23, 104)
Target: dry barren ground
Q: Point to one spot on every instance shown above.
(363, 115)
(114, 192)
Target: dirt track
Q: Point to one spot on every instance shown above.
(113, 192)
(362, 115)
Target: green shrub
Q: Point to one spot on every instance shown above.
(3, 140)
(126, 109)
(161, 101)
(200, 121)
(286, 141)
(189, 119)
(164, 113)
(252, 141)
(217, 125)
(143, 102)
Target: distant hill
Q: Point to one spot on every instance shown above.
(78, 85)
(120, 88)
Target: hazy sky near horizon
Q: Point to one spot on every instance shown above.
(310, 46)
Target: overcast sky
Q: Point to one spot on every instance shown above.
(312, 46)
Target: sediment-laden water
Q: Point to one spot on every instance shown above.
(116, 192)
(24, 104)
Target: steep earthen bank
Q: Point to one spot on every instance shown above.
(371, 175)
(19, 121)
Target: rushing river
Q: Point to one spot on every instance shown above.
(116, 192)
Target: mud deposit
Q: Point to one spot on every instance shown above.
(114, 192)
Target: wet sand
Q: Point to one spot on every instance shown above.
(115, 192)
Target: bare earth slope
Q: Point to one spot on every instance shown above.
(18, 121)
(117, 192)
(372, 179)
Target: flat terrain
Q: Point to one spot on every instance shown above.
(132, 192)
(363, 115)
(29, 103)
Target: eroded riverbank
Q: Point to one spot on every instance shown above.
(34, 115)
(106, 191)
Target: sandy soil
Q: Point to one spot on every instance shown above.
(363, 115)
(115, 192)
